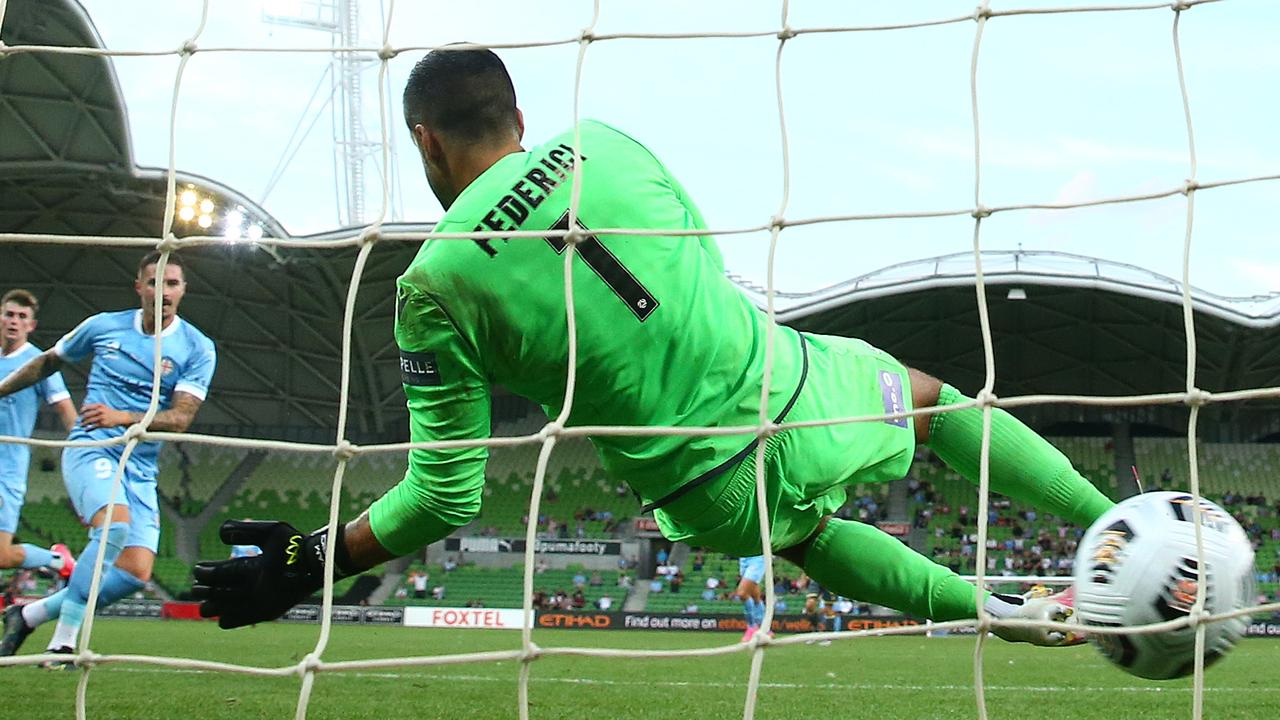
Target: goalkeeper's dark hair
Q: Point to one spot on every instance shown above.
(464, 93)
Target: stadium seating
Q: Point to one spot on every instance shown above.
(721, 567)
(503, 587)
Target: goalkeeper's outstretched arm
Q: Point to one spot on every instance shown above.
(247, 590)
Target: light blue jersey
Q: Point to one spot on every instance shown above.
(18, 419)
(123, 362)
(18, 411)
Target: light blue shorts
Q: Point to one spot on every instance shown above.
(12, 492)
(88, 474)
(751, 568)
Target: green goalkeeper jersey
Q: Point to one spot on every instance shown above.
(664, 338)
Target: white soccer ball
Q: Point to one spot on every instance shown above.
(1137, 566)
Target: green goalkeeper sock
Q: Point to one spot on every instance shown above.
(862, 562)
(1024, 465)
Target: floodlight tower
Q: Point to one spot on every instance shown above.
(341, 19)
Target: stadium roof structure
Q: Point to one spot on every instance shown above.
(1086, 326)
(1014, 267)
(1061, 324)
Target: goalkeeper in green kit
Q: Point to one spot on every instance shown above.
(664, 338)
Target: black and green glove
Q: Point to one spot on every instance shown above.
(247, 590)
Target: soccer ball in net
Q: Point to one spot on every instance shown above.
(1137, 566)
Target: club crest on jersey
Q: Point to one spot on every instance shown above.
(166, 367)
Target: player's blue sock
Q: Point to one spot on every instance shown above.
(759, 608)
(36, 556)
(117, 583)
(749, 609)
(73, 606)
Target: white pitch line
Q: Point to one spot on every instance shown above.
(709, 684)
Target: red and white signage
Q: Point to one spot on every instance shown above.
(482, 618)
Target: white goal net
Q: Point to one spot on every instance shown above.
(984, 20)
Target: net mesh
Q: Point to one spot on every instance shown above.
(344, 450)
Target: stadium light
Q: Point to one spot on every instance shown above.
(187, 198)
(186, 213)
(205, 221)
(254, 232)
(206, 206)
(1017, 294)
(232, 224)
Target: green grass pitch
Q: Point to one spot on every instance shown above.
(883, 678)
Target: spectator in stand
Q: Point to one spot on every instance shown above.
(698, 561)
(677, 580)
(596, 580)
(579, 580)
(604, 602)
(691, 608)
(662, 556)
(437, 592)
(579, 600)
(451, 563)
(419, 580)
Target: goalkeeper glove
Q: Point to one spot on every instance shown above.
(247, 590)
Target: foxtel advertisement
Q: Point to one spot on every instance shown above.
(475, 618)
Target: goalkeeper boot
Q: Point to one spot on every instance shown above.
(1067, 597)
(15, 631)
(68, 560)
(1048, 608)
(68, 664)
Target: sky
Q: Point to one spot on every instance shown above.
(1072, 107)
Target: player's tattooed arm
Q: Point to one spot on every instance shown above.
(36, 369)
(176, 419)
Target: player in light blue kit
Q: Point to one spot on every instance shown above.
(752, 571)
(119, 390)
(17, 419)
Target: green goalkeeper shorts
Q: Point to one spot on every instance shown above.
(807, 469)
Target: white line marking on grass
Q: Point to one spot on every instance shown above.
(711, 684)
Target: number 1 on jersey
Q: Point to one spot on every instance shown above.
(609, 268)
